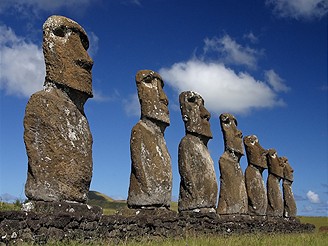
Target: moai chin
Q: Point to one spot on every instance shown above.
(233, 195)
(290, 209)
(151, 173)
(198, 184)
(275, 201)
(56, 131)
(255, 187)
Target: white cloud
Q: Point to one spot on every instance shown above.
(93, 44)
(275, 81)
(231, 52)
(222, 88)
(132, 105)
(22, 68)
(313, 197)
(299, 9)
(251, 37)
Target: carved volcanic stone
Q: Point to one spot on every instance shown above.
(56, 131)
(255, 187)
(275, 201)
(59, 148)
(290, 209)
(64, 46)
(233, 195)
(151, 173)
(198, 184)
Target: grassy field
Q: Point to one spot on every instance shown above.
(314, 239)
(317, 221)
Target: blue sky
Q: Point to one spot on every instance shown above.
(265, 61)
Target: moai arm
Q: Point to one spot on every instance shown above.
(138, 156)
(186, 161)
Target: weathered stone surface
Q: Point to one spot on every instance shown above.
(233, 195)
(56, 131)
(255, 187)
(152, 98)
(290, 209)
(64, 46)
(151, 172)
(256, 154)
(275, 201)
(144, 224)
(197, 192)
(78, 210)
(232, 136)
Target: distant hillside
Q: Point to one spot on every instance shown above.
(109, 205)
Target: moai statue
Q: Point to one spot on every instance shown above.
(290, 209)
(276, 168)
(151, 173)
(198, 185)
(56, 131)
(255, 187)
(233, 195)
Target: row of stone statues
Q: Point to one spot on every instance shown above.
(151, 175)
(59, 142)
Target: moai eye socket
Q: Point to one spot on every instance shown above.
(147, 79)
(192, 99)
(60, 31)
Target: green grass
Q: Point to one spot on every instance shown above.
(317, 221)
(10, 206)
(315, 239)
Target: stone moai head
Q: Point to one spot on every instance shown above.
(194, 114)
(275, 164)
(65, 45)
(256, 155)
(153, 100)
(288, 170)
(233, 138)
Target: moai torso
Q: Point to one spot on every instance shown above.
(290, 209)
(275, 201)
(56, 131)
(198, 184)
(255, 187)
(233, 195)
(151, 172)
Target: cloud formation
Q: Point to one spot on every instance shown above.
(231, 52)
(22, 64)
(299, 9)
(313, 197)
(131, 105)
(222, 88)
(275, 81)
(94, 44)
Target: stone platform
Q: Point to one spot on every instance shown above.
(84, 223)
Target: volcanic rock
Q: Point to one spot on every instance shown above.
(198, 184)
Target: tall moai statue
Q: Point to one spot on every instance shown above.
(56, 131)
(151, 172)
(198, 184)
(276, 168)
(233, 195)
(290, 208)
(255, 187)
